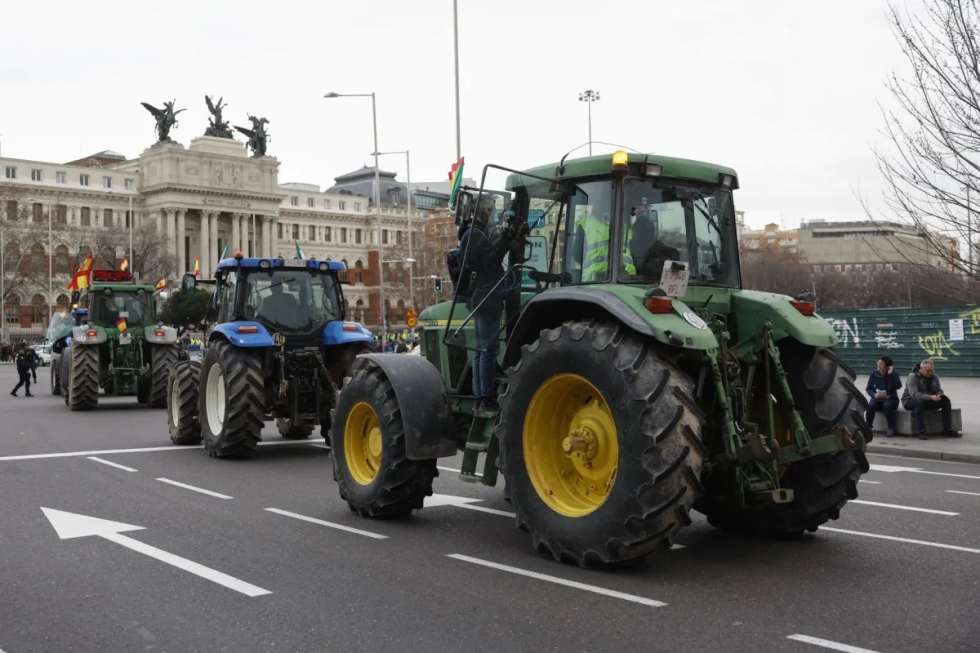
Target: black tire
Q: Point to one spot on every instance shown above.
(293, 432)
(824, 391)
(83, 382)
(183, 402)
(239, 432)
(399, 485)
(162, 358)
(657, 431)
(55, 380)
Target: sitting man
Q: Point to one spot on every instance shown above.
(922, 393)
(883, 386)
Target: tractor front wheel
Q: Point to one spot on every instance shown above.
(183, 397)
(232, 400)
(162, 359)
(370, 465)
(83, 382)
(600, 443)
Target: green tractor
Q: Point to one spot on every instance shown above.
(637, 380)
(115, 345)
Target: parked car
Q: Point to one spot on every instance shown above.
(44, 353)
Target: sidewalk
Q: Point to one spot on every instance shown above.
(965, 395)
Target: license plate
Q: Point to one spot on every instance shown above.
(674, 282)
(295, 262)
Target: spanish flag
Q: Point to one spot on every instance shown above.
(125, 265)
(197, 267)
(80, 280)
(455, 181)
(161, 284)
(121, 325)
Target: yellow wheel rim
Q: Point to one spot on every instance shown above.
(362, 443)
(571, 449)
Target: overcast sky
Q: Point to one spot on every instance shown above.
(785, 92)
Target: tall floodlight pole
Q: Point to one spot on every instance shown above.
(377, 198)
(130, 221)
(411, 256)
(589, 96)
(50, 257)
(456, 60)
(3, 284)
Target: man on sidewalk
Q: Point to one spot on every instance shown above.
(883, 386)
(922, 393)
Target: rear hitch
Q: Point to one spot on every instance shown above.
(851, 442)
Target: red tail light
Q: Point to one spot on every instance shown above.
(805, 308)
(91, 334)
(159, 334)
(248, 329)
(658, 305)
(349, 327)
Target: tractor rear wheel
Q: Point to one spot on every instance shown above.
(373, 473)
(232, 400)
(83, 384)
(824, 392)
(600, 443)
(183, 398)
(162, 358)
(293, 432)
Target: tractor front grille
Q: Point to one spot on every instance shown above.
(458, 360)
(432, 340)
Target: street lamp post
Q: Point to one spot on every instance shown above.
(50, 257)
(408, 184)
(377, 194)
(456, 62)
(589, 96)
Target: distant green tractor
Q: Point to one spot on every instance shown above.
(115, 345)
(637, 380)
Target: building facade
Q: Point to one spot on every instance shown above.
(867, 246)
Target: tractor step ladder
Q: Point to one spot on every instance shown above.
(480, 440)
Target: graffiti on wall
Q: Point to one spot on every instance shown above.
(888, 340)
(972, 319)
(847, 331)
(936, 346)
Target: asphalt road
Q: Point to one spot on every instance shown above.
(898, 577)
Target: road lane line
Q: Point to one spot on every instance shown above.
(492, 511)
(826, 643)
(320, 446)
(104, 452)
(112, 464)
(892, 538)
(559, 581)
(972, 494)
(872, 482)
(455, 471)
(195, 489)
(898, 507)
(339, 527)
(925, 471)
(919, 470)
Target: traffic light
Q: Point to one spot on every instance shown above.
(437, 284)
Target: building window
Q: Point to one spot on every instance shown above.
(83, 180)
(35, 174)
(37, 212)
(11, 310)
(357, 236)
(107, 217)
(128, 218)
(326, 234)
(326, 204)
(294, 200)
(313, 233)
(279, 229)
(39, 312)
(384, 236)
(61, 177)
(62, 214)
(107, 182)
(61, 260)
(398, 238)
(129, 184)
(86, 217)
(357, 206)
(342, 205)
(358, 272)
(310, 202)
(343, 234)
(37, 258)
(295, 232)
(11, 172)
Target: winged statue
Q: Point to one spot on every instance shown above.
(258, 137)
(166, 119)
(217, 125)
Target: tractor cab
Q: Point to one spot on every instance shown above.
(113, 296)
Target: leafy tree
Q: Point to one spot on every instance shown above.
(185, 312)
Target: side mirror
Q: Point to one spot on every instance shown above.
(188, 284)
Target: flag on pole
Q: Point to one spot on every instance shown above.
(125, 264)
(224, 252)
(455, 181)
(197, 267)
(161, 284)
(121, 325)
(299, 252)
(80, 280)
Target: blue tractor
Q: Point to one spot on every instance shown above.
(278, 349)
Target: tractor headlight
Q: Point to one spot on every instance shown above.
(324, 266)
(264, 264)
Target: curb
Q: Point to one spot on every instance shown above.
(926, 454)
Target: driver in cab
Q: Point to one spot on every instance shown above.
(281, 306)
(649, 253)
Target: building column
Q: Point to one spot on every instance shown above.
(205, 247)
(171, 235)
(236, 235)
(181, 233)
(243, 232)
(159, 222)
(264, 239)
(215, 252)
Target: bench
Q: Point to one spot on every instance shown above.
(904, 423)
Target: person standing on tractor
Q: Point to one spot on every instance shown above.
(485, 246)
(24, 361)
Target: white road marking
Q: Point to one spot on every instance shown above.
(559, 581)
(675, 545)
(70, 525)
(898, 507)
(104, 452)
(826, 643)
(339, 527)
(437, 500)
(951, 547)
(111, 464)
(872, 482)
(972, 494)
(925, 471)
(892, 468)
(320, 446)
(919, 470)
(455, 471)
(195, 489)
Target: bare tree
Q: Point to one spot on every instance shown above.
(109, 246)
(25, 243)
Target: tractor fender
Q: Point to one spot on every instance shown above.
(422, 402)
(161, 335)
(80, 336)
(342, 333)
(681, 328)
(229, 331)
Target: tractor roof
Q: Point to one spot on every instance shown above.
(118, 287)
(255, 263)
(603, 165)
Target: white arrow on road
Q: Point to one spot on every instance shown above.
(69, 525)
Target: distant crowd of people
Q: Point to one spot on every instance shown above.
(398, 345)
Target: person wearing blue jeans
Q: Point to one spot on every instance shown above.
(883, 386)
(923, 392)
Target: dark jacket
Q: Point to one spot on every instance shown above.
(919, 387)
(890, 383)
(25, 361)
(484, 252)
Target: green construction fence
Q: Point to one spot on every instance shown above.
(950, 336)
